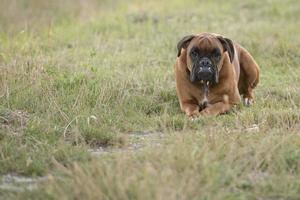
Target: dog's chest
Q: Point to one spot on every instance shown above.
(203, 100)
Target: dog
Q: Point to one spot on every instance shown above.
(213, 74)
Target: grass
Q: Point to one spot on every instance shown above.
(76, 75)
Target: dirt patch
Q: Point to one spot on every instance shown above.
(18, 183)
(138, 140)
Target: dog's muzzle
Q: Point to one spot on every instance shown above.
(204, 71)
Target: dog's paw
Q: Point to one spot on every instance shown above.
(205, 112)
(193, 115)
(247, 101)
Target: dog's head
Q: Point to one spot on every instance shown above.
(205, 55)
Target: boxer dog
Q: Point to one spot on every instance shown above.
(212, 74)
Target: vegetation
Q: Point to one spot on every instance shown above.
(79, 75)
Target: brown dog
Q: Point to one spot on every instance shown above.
(212, 73)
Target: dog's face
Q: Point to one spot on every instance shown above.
(204, 56)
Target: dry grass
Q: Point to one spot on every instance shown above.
(76, 75)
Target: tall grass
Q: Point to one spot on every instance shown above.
(76, 75)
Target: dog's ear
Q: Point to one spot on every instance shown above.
(228, 46)
(183, 43)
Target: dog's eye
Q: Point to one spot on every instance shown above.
(193, 53)
(216, 53)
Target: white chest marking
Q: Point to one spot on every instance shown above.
(204, 100)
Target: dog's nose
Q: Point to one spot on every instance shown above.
(205, 62)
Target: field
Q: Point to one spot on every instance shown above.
(88, 108)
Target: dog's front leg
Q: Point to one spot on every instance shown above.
(190, 109)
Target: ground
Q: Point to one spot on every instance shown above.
(88, 108)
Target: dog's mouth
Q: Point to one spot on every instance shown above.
(205, 75)
(204, 82)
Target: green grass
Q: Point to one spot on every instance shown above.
(83, 74)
